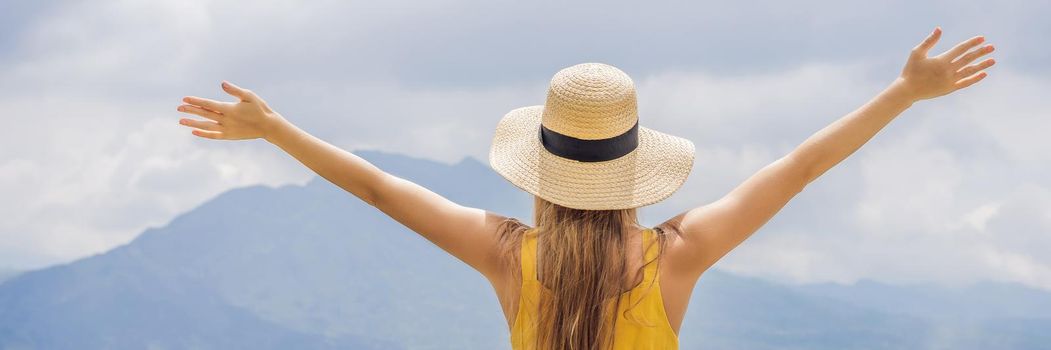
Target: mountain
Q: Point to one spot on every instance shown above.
(313, 267)
(7, 273)
(736, 312)
(983, 300)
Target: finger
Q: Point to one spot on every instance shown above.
(201, 124)
(965, 82)
(971, 69)
(237, 91)
(200, 111)
(973, 55)
(215, 135)
(962, 47)
(213, 105)
(928, 43)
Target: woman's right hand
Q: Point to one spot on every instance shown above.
(928, 77)
(249, 118)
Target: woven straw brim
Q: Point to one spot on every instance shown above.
(647, 175)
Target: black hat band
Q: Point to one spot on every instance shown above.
(590, 150)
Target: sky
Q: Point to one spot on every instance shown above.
(954, 191)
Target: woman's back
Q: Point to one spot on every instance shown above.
(641, 319)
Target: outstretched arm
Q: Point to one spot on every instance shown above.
(709, 232)
(467, 233)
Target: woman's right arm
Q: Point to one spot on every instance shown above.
(251, 118)
(709, 232)
(467, 233)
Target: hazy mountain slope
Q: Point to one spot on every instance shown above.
(6, 274)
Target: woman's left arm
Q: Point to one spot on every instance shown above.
(467, 233)
(711, 231)
(922, 78)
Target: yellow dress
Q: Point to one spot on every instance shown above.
(645, 327)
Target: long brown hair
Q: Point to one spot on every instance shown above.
(582, 260)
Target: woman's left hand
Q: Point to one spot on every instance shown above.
(928, 77)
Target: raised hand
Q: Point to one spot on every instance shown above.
(248, 118)
(928, 77)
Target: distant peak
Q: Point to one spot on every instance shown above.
(471, 161)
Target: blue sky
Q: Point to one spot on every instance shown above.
(954, 190)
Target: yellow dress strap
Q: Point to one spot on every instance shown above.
(528, 258)
(649, 241)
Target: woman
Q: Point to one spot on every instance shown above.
(588, 275)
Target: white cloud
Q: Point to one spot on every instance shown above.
(97, 176)
(978, 217)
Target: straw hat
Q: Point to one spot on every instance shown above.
(584, 148)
